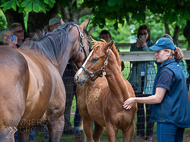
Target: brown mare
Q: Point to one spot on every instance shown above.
(31, 88)
(101, 101)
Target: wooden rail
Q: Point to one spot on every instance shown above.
(144, 56)
(129, 44)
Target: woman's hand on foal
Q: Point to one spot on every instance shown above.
(129, 103)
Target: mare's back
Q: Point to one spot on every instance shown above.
(12, 63)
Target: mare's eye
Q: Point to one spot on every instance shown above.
(95, 59)
(89, 42)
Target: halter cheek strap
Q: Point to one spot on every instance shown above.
(81, 48)
(102, 69)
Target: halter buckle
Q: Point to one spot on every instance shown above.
(106, 62)
(104, 73)
(81, 35)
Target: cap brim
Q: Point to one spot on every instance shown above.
(155, 48)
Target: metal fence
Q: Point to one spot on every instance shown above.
(72, 119)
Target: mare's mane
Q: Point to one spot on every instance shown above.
(51, 44)
(113, 48)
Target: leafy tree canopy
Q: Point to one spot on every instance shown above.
(116, 10)
(175, 13)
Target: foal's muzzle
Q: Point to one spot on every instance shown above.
(81, 78)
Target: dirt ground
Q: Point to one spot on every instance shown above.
(186, 138)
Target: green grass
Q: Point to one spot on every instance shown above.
(70, 138)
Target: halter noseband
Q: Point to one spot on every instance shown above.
(102, 69)
(81, 48)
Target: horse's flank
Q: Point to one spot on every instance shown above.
(31, 88)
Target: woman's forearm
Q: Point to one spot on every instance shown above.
(147, 100)
(154, 99)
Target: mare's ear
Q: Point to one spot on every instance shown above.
(109, 45)
(84, 25)
(62, 22)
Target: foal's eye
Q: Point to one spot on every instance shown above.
(95, 59)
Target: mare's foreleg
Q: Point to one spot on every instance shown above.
(56, 129)
(111, 132)
(88, 128)
(99, 130)
(128, 134)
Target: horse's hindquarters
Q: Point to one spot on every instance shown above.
(14, 81)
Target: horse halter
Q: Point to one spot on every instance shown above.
(102, 69)
(81, 48)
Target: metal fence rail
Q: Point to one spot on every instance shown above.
(127, 57)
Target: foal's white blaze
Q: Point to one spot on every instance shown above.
(80, 70)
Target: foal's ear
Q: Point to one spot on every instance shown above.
(93, 41)
(109, 45)
(84, 25)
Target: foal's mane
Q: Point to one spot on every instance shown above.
(50, 44)
(113, 48)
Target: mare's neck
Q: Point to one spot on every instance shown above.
(65, 60)
(116, 81)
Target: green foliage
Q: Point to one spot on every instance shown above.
(3, 23)
(28, 5)
(117, 10)
(119, 13)
(10, 4)
(121, 35)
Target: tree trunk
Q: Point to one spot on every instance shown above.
(186, 33)
(37, 21)
(176, 35)
(14, 16)
(167, 30)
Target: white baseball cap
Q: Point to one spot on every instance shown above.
(54, 20)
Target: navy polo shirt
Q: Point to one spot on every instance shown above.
(165, 79)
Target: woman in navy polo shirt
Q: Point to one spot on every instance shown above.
(170, 106)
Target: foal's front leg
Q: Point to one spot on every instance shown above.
(88, 128)
(128, 134)
(111, 132)
(99, 130)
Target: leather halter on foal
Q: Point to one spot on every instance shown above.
(81, 48)
(102, 69)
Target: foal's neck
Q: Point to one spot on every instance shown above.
(116, 81)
